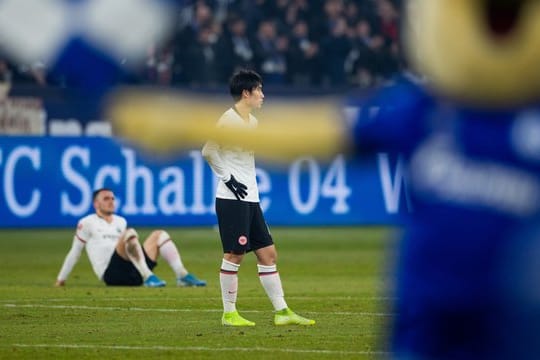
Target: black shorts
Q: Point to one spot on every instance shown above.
(241, 226)
(121, 272)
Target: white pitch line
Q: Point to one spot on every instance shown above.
(200, 348)
(329, 298)
(128, 308)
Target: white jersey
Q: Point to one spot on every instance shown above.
(233, 160)
(100, 239)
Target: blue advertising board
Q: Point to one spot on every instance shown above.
(48, 182)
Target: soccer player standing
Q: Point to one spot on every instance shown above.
(241, 222)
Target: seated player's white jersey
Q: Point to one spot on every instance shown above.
(100, 238)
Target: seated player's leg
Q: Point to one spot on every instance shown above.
(130, 248)
(122, 272)
(160, 242)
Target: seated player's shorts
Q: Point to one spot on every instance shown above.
(121, 272)
(241, 226)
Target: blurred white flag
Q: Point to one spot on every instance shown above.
(33, 30)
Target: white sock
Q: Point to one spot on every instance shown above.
(135, 253)
(228, 279)
(170, 253)
(271, 283)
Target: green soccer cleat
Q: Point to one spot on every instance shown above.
(288, 317)
(233, 318)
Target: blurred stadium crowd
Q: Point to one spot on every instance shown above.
(299, 43)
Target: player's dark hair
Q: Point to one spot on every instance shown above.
(96, 192)
(244, 80)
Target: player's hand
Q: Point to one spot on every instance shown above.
(237, 188)
(60, 283)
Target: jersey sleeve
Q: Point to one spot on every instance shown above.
(71, 259)
(212, 155)
(211, 152)
(82, 235)
(84, 230)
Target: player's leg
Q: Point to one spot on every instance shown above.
(266, 253)
(228, 280)
(269, 276)
(121, 271)
(129, 248)
(233, 229)
(160, 243)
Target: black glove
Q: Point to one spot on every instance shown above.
(237, 188)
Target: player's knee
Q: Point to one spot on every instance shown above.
(235, 258)
(162, 237)
(130, 234)
(267, 256)
(268, 260)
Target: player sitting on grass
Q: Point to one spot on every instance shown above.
(115, 253)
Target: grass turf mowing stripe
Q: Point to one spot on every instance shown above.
(200, 348)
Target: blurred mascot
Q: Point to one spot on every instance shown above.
(468, 268)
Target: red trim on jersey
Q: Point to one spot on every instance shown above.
(81, 239)
(267, 273)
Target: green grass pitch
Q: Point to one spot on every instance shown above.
(337, 276)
